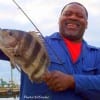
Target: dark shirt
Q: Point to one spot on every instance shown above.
(3, 56)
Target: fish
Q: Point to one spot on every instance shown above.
(26, 51)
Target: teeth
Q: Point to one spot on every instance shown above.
(71, 25)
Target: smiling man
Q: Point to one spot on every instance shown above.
(77, 75)
(73, 21)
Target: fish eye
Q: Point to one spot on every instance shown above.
(10, 33)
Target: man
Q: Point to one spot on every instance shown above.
(74, 72)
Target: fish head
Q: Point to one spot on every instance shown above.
(9, 42)
(9, 38)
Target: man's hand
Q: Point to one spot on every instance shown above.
(59, 81)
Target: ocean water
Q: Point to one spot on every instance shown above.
(9, 98)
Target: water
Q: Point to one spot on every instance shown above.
(9, 98)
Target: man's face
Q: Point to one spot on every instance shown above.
(73, 22)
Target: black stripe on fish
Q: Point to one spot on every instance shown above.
(35, 47)
(27, 41)
(36, 51)
(41, 63)
(24, 45)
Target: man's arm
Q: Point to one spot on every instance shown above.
(3, 56)
(89, 84)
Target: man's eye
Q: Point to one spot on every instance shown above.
(67, 13)
(80, 15)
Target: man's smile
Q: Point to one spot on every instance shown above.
(74, 25)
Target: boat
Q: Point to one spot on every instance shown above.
(9, 89)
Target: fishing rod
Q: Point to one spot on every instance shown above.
(54, 52)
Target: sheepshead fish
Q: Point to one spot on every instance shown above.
(26, 50)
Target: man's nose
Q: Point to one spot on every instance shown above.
(73, 16)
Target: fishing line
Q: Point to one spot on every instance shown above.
(54, 52)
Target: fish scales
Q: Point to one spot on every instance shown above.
(25, 50)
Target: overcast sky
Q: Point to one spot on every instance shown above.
(45, 15)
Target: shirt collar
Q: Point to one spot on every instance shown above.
(57, 36)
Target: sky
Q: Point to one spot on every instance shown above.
(44, 14)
